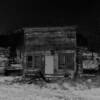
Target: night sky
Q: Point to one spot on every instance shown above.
(34, 13)
(20, 13)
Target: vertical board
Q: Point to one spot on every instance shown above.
(49, 64)
(55, 63)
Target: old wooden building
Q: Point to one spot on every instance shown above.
(50, 49)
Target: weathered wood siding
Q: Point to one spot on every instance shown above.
(42, 42)
(50, 39)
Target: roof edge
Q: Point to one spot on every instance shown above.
(73, 27)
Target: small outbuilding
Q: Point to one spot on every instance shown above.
(50, 49)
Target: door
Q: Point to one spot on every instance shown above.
(49, 64)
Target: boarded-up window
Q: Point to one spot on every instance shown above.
(70, 61)
(38, 61)
(66, 61)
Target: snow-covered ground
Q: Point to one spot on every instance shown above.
(49, 91)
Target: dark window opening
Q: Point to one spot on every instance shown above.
(61, 61)
(29, 61)
(29, 58)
